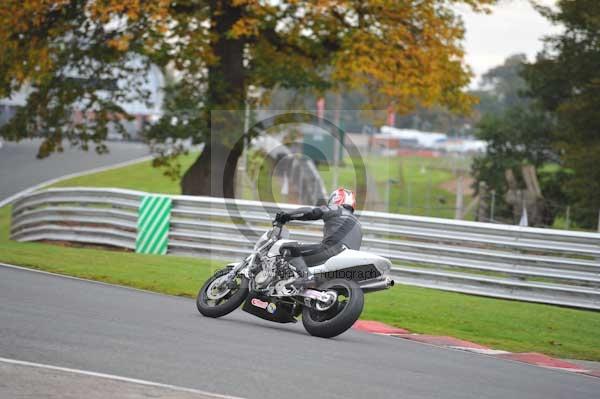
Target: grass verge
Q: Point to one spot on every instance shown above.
(140, 176)
(415, 184)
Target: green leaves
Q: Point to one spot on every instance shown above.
(404, 53)
(565, 80)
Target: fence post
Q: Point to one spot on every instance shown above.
(598, 220)
(482, 204)
(408, 199)
(492, 205)
(387, 194)
(458, 214)
(301, 188)
(568, 217)
(428, 200)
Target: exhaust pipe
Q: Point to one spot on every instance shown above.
(377, 285)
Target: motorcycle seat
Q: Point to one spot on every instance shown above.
(315, 255)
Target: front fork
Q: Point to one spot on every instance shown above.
(230, 282)
(235, 269)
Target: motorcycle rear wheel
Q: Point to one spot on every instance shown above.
(216, 303)
(339, 317)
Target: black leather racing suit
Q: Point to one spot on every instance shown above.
(341, 228)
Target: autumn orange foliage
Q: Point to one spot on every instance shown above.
(400, 52)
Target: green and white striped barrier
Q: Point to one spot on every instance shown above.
(153, 223)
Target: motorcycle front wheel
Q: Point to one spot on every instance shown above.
(338, 317)
(216, 298)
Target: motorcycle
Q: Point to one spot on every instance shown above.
(263, 281)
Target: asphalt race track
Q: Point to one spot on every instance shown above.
(108, 329)
(20, 169)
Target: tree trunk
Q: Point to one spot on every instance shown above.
(196, 177)
(213, 173)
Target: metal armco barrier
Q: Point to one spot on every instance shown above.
(522, 263)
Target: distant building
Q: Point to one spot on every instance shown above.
(392, 140)
(466, 145)
(144, 113)
(9, 106)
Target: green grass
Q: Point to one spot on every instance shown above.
(502, 324)
(167, 274)
(141, 176)
(415, 188)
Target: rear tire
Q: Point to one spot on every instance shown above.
(228, 301)
(341, 316)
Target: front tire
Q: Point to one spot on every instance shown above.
(212, 302)
(339, 317)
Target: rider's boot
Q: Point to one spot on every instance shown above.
(304, 282)
(306, 279)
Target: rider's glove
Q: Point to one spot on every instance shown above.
(282, 217)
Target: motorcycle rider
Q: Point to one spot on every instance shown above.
(341, 230)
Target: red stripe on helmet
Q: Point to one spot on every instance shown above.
(342, 196)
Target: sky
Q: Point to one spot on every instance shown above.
(513, 27)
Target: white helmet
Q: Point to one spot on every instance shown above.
(342, 197)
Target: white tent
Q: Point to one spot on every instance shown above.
(424, 139)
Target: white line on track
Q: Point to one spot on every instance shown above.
(43, 184)
(116, 378)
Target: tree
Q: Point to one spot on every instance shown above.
(565, 80)
(500, 89)
(402, 52)
(518, 133)
(506, 81)
(71, 54)
(519, 136)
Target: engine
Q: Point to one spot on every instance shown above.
(267, 275)
(274, 269)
